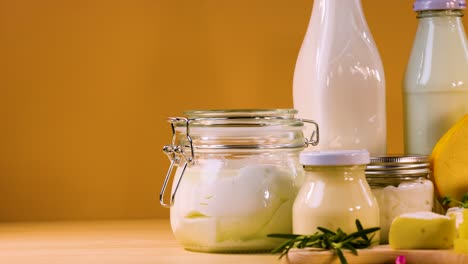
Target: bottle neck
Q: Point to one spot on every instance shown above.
(338, 19)
(439, 57)
(441, 26)
(341, 8)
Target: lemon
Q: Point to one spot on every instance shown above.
(449, 161)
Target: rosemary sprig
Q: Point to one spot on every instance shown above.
(327, 239)
(446, 200)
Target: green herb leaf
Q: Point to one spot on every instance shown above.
(287, 236)
(329, 240)
(465, 200)
(326, 231)
(341, 256)
(351, 248)
(447, 200)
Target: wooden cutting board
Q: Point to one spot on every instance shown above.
(379, 255)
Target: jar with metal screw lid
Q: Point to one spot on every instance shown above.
(401, 184)
(236, 177)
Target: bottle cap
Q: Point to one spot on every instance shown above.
(421, 5)
(334, 157)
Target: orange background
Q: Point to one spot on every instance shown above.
(86, 87)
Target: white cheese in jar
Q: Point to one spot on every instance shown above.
(216, 207)
(237, 173)
(408, 196)
(400, 184)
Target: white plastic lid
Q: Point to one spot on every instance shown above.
(334, 157)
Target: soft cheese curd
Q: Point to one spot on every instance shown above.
(221, 208)
(407, 197)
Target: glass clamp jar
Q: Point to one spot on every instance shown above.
(401, 184)
(235, 175)
(335, 193)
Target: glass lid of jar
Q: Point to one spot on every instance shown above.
(243, 117)
(242, 129)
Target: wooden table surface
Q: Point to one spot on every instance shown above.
(116, 242)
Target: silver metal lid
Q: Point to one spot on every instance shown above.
(411, 165)
(400, 159)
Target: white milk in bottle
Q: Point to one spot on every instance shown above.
(339, 80)
(436, 80)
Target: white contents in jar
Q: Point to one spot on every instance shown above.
(334, 196)
(217, 209)
(408, 197)
(333, 209)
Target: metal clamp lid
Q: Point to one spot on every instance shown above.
(176, 153)
(315, 137)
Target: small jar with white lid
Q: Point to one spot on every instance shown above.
(401, 185)
(335, 193)
(235, 175)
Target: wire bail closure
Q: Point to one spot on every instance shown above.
(315, 137)
(176, 154)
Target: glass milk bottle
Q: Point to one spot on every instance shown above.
(435, 85)
(339, 79)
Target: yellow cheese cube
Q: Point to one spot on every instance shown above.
(457, 213)
(422, 230)
(460, 246)
(463, 228)
(460, 214)
(463, 231)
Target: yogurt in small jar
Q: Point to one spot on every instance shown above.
(335, 193)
